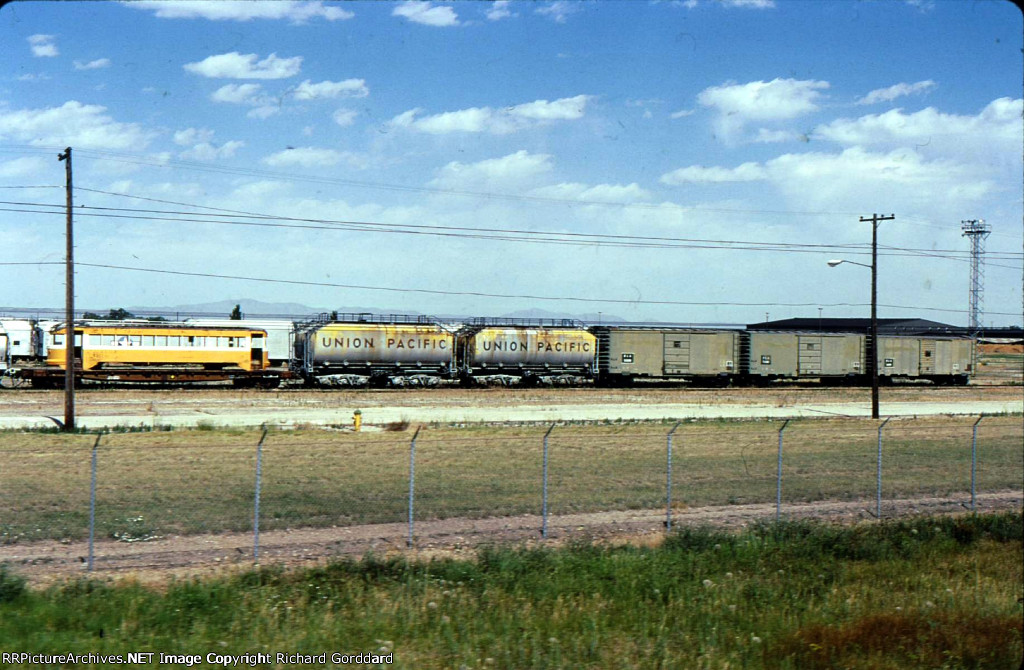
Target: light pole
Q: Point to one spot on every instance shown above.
(874, 328)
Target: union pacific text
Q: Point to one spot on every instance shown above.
(430, 343)
(545, 347)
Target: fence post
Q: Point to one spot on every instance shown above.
(256, 503)
(544, 488)
(974, 457)
(412, 484)
(668, 481)
(92, 503)
(878, 498)
(778, 478)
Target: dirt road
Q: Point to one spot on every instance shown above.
(224, 407)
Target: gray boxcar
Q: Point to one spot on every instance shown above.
(791, 355)
(948, 360)
(658, 353)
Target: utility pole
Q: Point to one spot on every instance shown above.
(977, 230)
(875, 220)
(69, 305)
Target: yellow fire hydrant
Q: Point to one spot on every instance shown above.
(357, 420)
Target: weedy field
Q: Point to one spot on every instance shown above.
(200, 481)
(920, 593)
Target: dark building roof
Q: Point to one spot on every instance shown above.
(1009, 333)
(885, 326)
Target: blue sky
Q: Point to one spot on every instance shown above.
(692, 161)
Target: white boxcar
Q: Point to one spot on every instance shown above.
(23, 339)
(280, 335)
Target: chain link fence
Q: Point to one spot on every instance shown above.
(143, 487)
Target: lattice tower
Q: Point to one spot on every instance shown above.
(977, 230)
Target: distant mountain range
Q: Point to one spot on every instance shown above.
(289, 310)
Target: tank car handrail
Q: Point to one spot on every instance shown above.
(525, 322)
(366, 317)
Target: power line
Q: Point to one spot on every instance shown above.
(135, 159)
(495, 234)
(132, 159)
(435, 227)
(284, 218)
(585, 239)
(481, 294)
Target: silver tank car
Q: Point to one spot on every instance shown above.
(494, 350)
(375, 349)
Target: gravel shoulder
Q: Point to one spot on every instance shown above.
(227, 407)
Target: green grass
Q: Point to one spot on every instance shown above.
(922, 593)
(161, 483)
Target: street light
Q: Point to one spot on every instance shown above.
(837, 261)
(874, 328)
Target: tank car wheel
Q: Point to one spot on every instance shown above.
(11, 382)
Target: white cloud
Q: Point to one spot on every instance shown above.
(237, 66)
(766, 136)
(564, 109)
(24, 167)
(43, 46)
(345, 117)
(762, 100)
(999, 122)
(202, 149)
(238, 94)
(507, 173)
(603, 193)
(499, 10)
(682, 113)
(73, 124)
(208, 152)
(97, 64)
(498, 122)
(748, 4)
(698, 174)
(896, 91)
(864, 179)
(558, 11)
(426, 14)
(235, 10)
(472, 120)
(34, 77)
(264, 112)
(350, 88)
(305, 157)
(192, 136)
(856, 178)
(775, 100)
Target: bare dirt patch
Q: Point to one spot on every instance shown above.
(1001, 348)
(157, 561)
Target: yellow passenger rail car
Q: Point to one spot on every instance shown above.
(155, 352)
